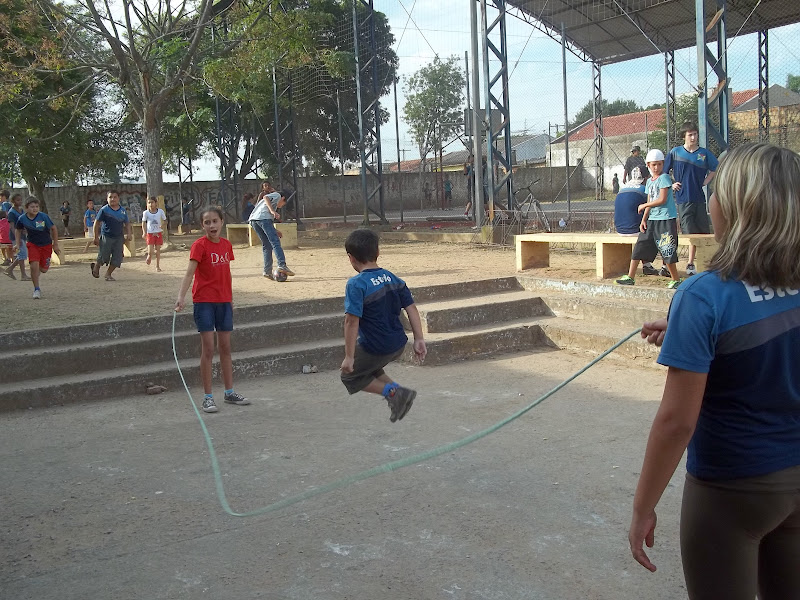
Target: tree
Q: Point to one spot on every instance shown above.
(610, 109)
(793, 82)
(69, 134)
(316, 79)
(434, 98)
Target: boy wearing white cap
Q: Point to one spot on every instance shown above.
(659, 228)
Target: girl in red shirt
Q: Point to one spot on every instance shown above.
(212, 295)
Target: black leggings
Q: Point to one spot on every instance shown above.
(742, 537)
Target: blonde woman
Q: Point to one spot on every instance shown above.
(732, 392)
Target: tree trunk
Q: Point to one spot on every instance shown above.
(36, 188)
(153, 165)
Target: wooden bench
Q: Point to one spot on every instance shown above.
(242, 233)
(612, 251)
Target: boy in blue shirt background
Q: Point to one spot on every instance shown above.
(692, 167)
(22, 249)
(111, 229)
(89, 218)
(373, 333)
(659, 227)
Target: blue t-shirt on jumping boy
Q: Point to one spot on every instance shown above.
(38, 228)
(376, 297)
(691, 169)
(653, 190)
(746, 338)
(113, 221)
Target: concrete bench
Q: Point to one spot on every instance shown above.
(612, 251)
(242, 233)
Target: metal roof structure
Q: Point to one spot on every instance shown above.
(612, 31)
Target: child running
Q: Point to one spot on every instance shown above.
(152, 231)
(89, 218)
(22, 250)
(5, 238)
(373, 333)
(733, 392)
(212, 295)
(42, 236)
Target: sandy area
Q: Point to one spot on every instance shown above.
(72, 295)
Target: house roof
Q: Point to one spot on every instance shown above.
(777, 95)
(627, 124)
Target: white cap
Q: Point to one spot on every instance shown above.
(654, 155)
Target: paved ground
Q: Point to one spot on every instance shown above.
(115, 499)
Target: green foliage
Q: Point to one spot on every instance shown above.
(434, 100)
(610, 109)
(686, 110)
(793, 82)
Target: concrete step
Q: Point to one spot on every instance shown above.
(596, 337)
(628, 314)
(131, 328)
(326, 355)
(91, 357)
(459, 314)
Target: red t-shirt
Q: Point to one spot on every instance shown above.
(212, 279)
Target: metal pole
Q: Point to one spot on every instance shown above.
(490, 128)
(477, 134)
(360, 118)
(566, 113)
(397, 135)
(278, 150)
(341, 157)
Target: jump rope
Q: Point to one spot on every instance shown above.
(379, 470)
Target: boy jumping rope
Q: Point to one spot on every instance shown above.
(152, 231)
(212, 294)
(373, 333)
(42, 237)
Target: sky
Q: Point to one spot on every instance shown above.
(424, 29)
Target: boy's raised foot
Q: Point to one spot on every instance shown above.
(626, 280)
(400, 401)
(37, 294)
(286, 270)
(208, 405)
(691, 270)
(238, 399)
(674, 284)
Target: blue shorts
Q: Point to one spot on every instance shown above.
(209, 316)
(22, 252)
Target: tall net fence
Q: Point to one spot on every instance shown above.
(642, 101)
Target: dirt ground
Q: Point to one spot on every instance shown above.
(72, 295)
(116, 499)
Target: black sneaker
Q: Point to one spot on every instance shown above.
(664, 272)
(208, 405)
(649, 270)
(400, 402)
(234, 398)
(269, 276)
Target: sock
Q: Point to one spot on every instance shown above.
(36, 288)
(229, 392)
(389, 388)
(210, 396)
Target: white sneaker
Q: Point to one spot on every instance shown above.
(37, 294)
(690, 270)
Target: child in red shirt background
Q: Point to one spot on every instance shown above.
(5, 237)
(212, 295)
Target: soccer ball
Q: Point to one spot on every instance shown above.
(279, 275)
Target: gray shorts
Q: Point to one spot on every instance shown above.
(367, 367)
(694, 218)
(110, 251)
(661, 237)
